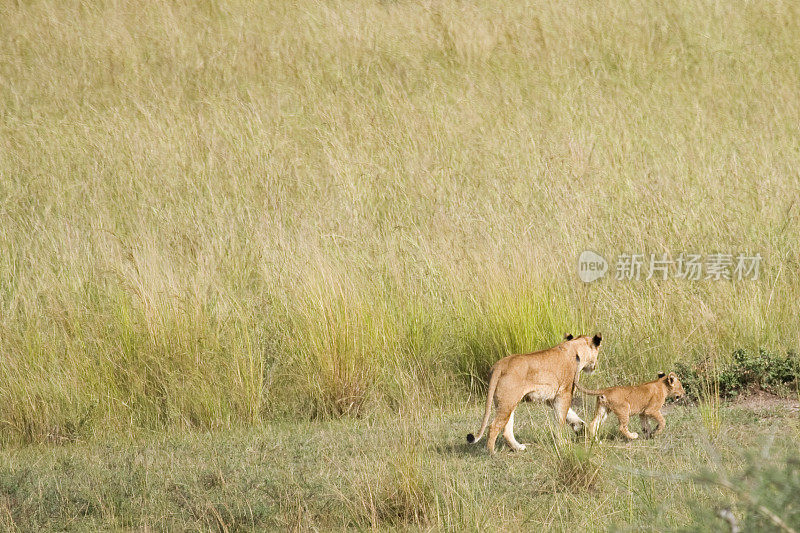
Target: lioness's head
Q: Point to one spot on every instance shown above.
(587, 350)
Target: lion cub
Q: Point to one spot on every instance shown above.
(645, 400)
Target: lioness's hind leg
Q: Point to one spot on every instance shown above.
(508, 433)
(500, 421)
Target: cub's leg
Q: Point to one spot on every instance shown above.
(508, 434)
(659, 418)
(624, 417)
(600, 414)
(645, 420)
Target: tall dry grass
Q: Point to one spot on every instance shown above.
(215, 213)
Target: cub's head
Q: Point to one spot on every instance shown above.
(587, 351)
(673, 384)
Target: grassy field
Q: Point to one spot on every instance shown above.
(415, 473)
(240, 217)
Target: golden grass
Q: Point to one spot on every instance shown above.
(216, 213)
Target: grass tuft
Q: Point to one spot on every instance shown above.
(576, 465)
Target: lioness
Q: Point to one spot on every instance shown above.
(544, 375)
(645, 400)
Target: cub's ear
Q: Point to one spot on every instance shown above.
(597, 338)
(661, 375)
(672, 377)
(568, 337)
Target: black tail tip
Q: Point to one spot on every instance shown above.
(470, 438)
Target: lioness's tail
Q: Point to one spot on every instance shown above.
(489, 397)
(587, 391)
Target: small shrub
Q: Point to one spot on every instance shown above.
(782, 375)
(746, 371)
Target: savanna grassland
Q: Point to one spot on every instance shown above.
(238, 226)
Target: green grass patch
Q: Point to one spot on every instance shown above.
(405, 473)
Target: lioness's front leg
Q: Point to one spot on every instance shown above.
(561, 407)
(574, 420)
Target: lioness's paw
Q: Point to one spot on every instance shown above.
(634, 436)
(520, 448)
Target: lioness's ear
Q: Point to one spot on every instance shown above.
(568, 337)
(661, 375)
(597, 338)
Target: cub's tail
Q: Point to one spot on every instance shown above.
(587, 391)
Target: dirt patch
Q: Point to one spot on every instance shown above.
(761, 400)
(756, 400)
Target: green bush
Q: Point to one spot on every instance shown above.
(746, 371)
(690, 379)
